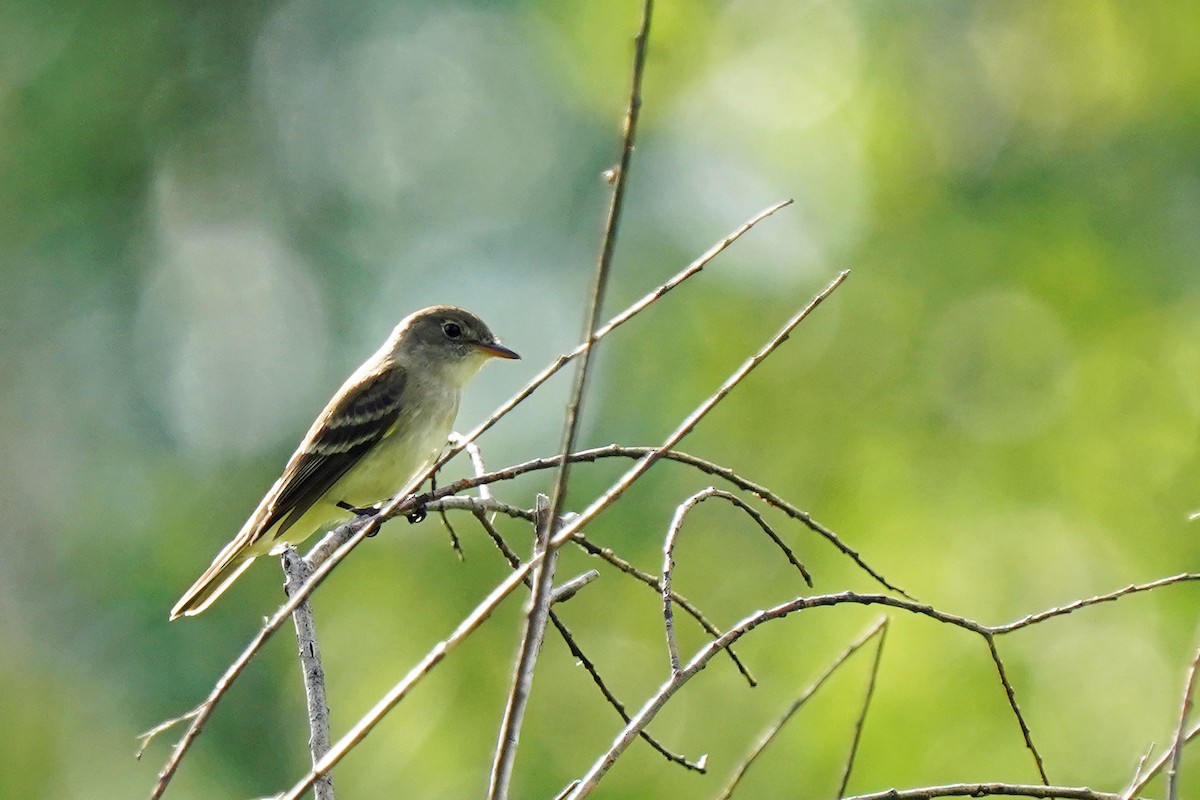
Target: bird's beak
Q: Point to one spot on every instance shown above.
(498, 350)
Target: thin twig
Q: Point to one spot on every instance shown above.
(144, 739)
(604, 263)
(1185, 708)
(480, 505)
(531, 646)
(681, 512)
(773, 731)
(455, 544)
(860, 721)
(654, 582)
(1142, 778)
(296, 572)
(1133, 588)
(1011, 694)
(566, 591)
(989, 790)
(1141, 765)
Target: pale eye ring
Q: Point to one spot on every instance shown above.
(452, 330)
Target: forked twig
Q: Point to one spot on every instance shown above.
(860, 721)
(681, 512)
(144, 739)
(773, 731)
(1141, 779)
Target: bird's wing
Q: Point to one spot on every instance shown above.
(347, 429)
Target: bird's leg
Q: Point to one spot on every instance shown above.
(367, 511)
(361, 513)
(419, 513)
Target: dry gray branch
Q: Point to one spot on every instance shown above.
(1185, 708)
(988, 790)
(1141, 779)
(297, 572)
(531, 645)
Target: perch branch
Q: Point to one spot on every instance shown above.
(296, 572)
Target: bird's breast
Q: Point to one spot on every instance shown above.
(413, 442)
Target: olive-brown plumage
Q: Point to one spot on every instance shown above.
(385, 425)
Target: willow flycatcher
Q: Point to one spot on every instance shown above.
(385, 425)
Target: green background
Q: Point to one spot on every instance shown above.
(211, 213)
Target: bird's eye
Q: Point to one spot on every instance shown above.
(452, 330)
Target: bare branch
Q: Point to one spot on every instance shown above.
(773, 731)
(146, 738)
(296, 572)
(531, 645)
(1143, 778)
(1011, 694)
(1041, 616)
(1185, 708)
(604, 265)
(988, 790)
(358, 530)
(566, 591)
(681, 512)
(872, 677)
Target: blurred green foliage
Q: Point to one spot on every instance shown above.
(210, 213)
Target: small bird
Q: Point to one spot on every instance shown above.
(386, 424)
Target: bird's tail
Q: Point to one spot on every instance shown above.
(215, 580)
